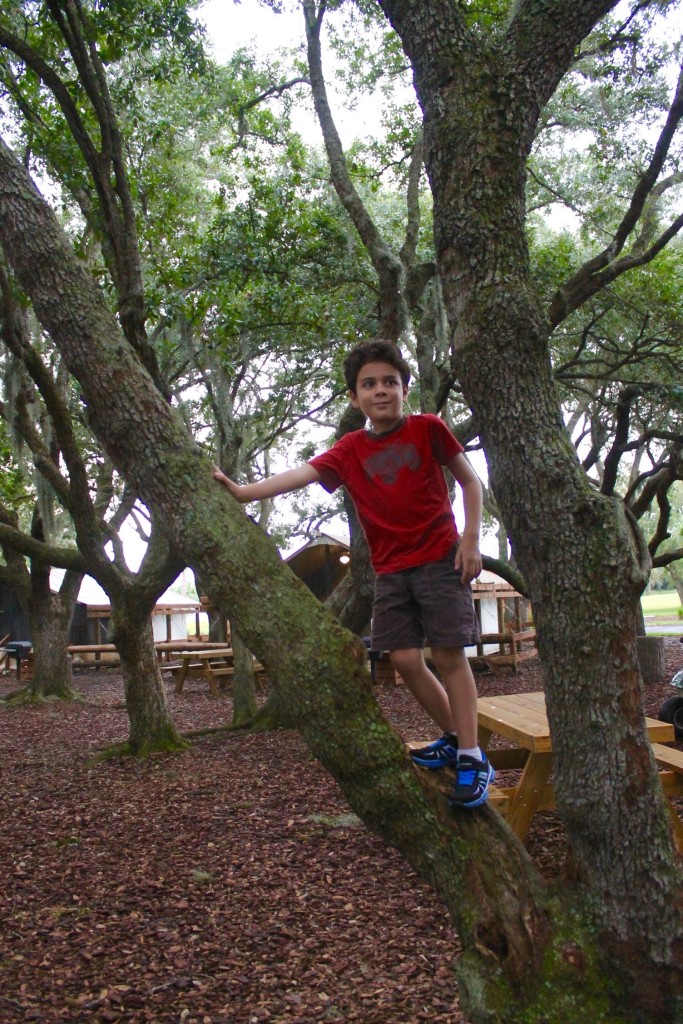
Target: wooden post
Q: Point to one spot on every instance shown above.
(651, 658)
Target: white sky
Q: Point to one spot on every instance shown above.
(231, 25)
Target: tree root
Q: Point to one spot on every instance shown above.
(25, 696)
(169, 743)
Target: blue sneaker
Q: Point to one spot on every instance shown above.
(442, 753)
(472, 778)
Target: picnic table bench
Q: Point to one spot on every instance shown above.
(107, 654)
(167, 649)
(671, 760)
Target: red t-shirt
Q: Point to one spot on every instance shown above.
(399, 489)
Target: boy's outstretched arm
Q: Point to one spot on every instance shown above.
(279, 483)
(468, 555)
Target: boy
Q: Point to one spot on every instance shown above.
(392, 470)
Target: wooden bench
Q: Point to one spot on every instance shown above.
(105, 656)
(510, 649)
(229, 670)
(671, 761)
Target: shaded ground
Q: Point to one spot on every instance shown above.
(228, 883)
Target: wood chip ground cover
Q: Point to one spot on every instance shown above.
(227, 883)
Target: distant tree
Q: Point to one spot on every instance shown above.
(85, 488)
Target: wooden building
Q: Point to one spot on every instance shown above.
(321, 563)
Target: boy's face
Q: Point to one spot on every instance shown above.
(380, 393)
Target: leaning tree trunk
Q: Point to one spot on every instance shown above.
(49, 617)
(529, 956)
(151, 727)
(674, 574)
(584, 565)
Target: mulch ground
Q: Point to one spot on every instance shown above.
(228, 883)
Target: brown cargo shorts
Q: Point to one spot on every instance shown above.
(428, 605)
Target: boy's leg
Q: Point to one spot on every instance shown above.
(473, 773)
(454, 669)
(424, 686)
(430, 694)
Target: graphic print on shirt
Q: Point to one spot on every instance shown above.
(388, 462)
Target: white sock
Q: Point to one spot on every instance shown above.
(474, 752)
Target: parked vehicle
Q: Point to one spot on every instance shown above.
(672, 708)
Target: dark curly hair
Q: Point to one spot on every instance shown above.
(374, 352)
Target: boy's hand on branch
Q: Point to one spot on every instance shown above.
(468, 558)
(240, 491)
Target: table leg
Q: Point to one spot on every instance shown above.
(527, 796)
(677, 826)
(484, 737)
(180, 681)
(213, 688)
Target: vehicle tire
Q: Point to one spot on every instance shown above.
(678, 723)
(672, 711)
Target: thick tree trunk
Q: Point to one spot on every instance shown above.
(151, 727)
(583, 563)
(49, 617)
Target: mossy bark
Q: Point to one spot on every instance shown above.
(585, 565)
(243, 682)
(151, 727)
(49, 616)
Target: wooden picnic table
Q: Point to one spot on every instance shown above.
(164, 650)
(203, 658)
(522, 718)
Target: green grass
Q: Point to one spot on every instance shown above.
(661, 603)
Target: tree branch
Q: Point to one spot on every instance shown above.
(394, 316)
(37, 550)
(605, 268)
(506, 572)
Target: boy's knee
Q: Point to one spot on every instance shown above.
(406, 659)
(449, 657)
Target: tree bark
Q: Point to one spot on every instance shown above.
(651, 658)
(151, 727)
(584, 563)
(243, 683)
(49, 616)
